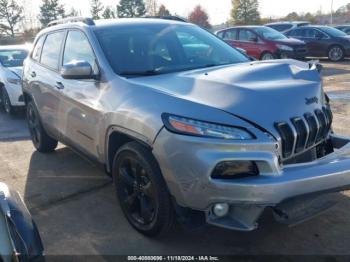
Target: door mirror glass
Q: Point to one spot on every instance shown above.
(77, 70)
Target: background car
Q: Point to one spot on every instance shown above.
(11, 63)
(286, 26)
(263, 42)
(323, 41)
(19, 236)
(344, 28)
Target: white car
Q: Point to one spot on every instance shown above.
(11, 64)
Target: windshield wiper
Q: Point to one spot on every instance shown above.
(140, 73)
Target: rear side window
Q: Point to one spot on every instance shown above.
(37, 49)
(51, 50)
(231, 34)
(246, 35)
(296, 33)
(78, 49)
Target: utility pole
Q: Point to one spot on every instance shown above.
(331, 12)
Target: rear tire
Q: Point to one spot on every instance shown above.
(142, 191)
(41, 140)
(336, 53)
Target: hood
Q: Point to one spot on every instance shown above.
(290, 42)
(260, 92)
(17, 71)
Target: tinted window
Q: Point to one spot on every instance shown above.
(37, 49)
(310, 33)
(78, 48)
(333, 31)
(163, 48)
(296, 33)
(221, 34)
(51, 50)
(246, 35)
(12, 58)
(230, 34)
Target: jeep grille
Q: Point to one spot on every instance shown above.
(304, 132)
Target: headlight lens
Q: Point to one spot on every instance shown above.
(285, 47)
(14, 81)
(187, 126)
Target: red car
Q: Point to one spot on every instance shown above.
(263, 42)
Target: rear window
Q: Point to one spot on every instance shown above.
(281, 27)
(51, 50)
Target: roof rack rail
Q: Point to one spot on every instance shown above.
(169, 17)
(85, 20)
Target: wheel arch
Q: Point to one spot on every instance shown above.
(116, 137)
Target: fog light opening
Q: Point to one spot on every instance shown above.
(221, 209)
(235, 170)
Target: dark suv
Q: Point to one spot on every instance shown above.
(323, 41)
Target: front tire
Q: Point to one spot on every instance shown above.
(267, 56)
(141, 190)
(6, 102)
(41, 140)
(336, 53)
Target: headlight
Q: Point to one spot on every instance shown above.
(187, 126)
(14, 81)
(285, 48)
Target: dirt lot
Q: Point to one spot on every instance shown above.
(77, 212)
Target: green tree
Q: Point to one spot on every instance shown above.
(131, 8)
(51, 10)
(245, 11)
(96, 9)
(108, 13)
(199, 17)
(73, 12)
(292, 16)
(163, 11)
(11, 14)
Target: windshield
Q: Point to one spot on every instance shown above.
(333, 31)
(269, 33)
(12, 58)
(163, 48)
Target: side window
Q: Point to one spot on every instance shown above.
(51, 50)
(296, 33)
(310, 33)
(246, 35)
(230, 34)
(78, 48)
(37, 49)
(221, 34)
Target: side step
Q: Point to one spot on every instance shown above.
(298, 210)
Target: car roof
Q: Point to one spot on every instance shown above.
(242, 26)
(288, 22)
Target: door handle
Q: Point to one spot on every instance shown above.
(33, 74)
(59, 85)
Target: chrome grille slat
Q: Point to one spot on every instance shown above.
(304, 132)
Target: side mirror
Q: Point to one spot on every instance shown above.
(77, 70)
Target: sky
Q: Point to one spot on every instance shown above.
(219, 10)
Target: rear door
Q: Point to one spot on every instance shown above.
(45, 78)
(249, 41)
(81, 115)
(230, 37)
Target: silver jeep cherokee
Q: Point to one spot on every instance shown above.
(187, 126)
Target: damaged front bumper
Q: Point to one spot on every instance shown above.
(292, 190)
